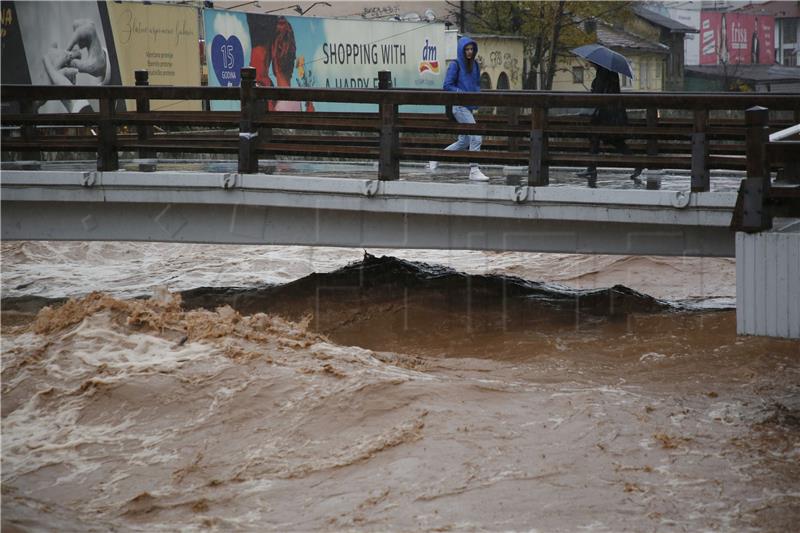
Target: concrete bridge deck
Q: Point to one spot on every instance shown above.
(418, 212)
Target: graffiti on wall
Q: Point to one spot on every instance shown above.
(501, 60)
(376, 12)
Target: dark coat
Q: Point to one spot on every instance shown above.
(607, 82)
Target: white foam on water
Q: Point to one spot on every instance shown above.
(651, 356)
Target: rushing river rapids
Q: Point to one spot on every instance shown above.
(281, 388)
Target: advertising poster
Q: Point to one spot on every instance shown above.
(161, 39)
(709, 38)
(324, 53)
(734, 38)
(62, 43)
(764, 40)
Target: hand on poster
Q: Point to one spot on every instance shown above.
(86, 50)
(83, 54)
(56, 64)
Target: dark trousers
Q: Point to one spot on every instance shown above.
(616, 142)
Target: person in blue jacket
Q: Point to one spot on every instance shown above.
(463, 75)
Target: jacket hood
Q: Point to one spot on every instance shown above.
(462, 42)
(459, 78)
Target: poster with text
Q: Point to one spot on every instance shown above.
(59, 43)
(324, 53)
(735, 38)
(164, 41)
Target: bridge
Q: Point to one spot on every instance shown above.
(755, 133)
(277, 209)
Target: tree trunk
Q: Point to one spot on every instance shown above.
(551, 63)
(538, 52)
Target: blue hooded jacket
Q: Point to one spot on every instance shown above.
(457, 78)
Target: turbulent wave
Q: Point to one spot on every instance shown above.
(379, 287)
(388, 303)
(377, 277)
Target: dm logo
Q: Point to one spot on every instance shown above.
(227, 58)
(429, 63)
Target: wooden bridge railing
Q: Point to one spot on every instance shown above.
(538, 139)
(759, 201)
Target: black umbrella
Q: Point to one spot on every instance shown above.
(606, 58)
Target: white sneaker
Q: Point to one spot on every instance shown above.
(433, 165)
(475, 174)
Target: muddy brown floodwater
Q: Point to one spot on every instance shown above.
(392, 395)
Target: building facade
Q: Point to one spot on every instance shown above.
(501, 60)
(787, 28)
(648, 60)
(671, 34)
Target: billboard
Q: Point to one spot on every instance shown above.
(99, 43)
(161, 39)
(324, 53)
(731, 38)
(59, 43)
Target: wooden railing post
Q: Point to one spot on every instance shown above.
(538, 171)
(755, 187)
(107, 156)
(248, 135)
(388, 162)
(144, 132)
(757, 120)
(701, 175)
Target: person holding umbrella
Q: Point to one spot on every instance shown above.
(609, 65)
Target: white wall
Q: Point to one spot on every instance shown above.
(691, 41)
